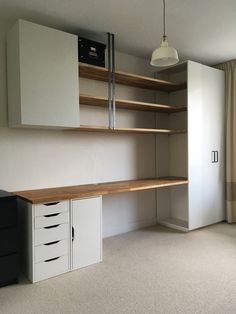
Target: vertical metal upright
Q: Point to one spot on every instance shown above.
(111, 81)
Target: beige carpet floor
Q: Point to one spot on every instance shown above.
(154, 270)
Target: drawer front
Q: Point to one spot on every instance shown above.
(50, 268)
(51, 219)
(9, 269)
(50, 234)
(51, 208)
(8, 210)
(8, 241)
(51, 250)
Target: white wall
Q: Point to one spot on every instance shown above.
(33, 159)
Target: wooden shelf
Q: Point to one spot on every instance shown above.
(129, 104)
(78, 191)
(103, 129)
(101, 74)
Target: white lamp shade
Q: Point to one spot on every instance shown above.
(164, 55)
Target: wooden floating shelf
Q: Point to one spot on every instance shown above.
(78, 191)
(101, 74)
(129, 104)
(102, 129)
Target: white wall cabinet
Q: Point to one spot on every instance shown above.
(203, 202)
(86, 232)
(42, 70)
(60, 236)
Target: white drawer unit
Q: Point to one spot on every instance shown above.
(60, 236)
(51, 267)
(51, 250)
(51, 219)
(51, 233)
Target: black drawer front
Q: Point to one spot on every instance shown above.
(8, 213)
(8, 269)
(8, 241)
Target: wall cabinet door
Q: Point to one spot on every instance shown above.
(205, 134)
(86, 232)
(43, 89)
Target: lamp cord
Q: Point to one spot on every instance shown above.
(164, 20)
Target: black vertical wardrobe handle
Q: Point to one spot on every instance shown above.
(216, 156)
(73, 234)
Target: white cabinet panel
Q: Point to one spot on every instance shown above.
(43, 87)
(51, 250)
(51, 268)
(205, 134)
(50, 234)
(50, 220)
(51, 208)
(86, 235)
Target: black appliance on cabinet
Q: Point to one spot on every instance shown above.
(9, 267)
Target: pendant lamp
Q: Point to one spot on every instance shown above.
(164, 55)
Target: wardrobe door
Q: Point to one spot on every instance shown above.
(213, 166)
(205, 145)
(86, 232)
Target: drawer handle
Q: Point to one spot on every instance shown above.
(50, 243)
(49, 227)
(52, 215)
(51, 259)
(51, 204)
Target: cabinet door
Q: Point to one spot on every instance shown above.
(86, 232)
(43, 85)
(205, 135)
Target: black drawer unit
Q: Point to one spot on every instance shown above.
(9, 267)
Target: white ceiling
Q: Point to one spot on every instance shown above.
(201, 30)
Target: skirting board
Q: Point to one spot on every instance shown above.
(127, 227)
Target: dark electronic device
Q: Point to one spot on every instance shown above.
(91, 52)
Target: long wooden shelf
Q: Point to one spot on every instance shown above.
(129, 104)
(101, 74)
(103, 129)
(78, 191)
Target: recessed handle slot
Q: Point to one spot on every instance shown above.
(51, 204)
(50, 227)
(51, 259)
(51, 243)
(52, 215)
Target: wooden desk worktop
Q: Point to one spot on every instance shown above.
(87, 190)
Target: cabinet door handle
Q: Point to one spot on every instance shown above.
(216, 156)
(49, 227)
(73, 234)
(52, 215)
(51, 204)
(51, 243)
(51, 259)
(213, 156)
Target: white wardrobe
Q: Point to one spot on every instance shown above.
(199, 154)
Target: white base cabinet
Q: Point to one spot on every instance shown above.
(59, 237)
(86, 231)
